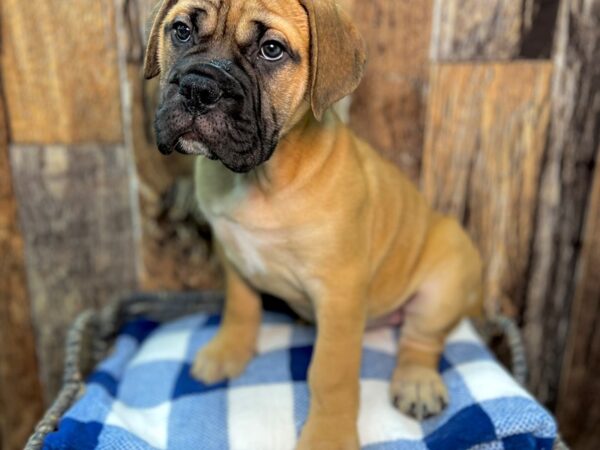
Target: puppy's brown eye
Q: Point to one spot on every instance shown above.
(182, 32)
(272, 51)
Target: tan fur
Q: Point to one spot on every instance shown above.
(335, 230)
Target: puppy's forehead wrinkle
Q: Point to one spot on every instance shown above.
(238, 18)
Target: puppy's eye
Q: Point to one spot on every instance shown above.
(182, 32)
(272, 51)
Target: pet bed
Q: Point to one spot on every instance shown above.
(141, 395)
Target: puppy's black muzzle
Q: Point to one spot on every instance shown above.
(217, 104)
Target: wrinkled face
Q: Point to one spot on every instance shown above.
(233, 72)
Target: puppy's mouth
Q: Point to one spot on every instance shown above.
(201, 138)
(188, 144)
(191, 147)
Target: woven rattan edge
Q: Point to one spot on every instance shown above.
(92, 333)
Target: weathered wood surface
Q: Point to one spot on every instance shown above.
(61, 79)
(75, 205)
(20, 390)
(566, 181)
(388, 109)
(486, 135)
(578, 409)
(493, 30)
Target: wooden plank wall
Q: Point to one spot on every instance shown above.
(20, 390)
(78, 97)
(73, 178)
(575, 146)
(388, 108)
(495, 30)
(566, 181)
(486, 134)
(75, 209)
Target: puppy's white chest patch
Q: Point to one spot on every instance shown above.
(245, 248)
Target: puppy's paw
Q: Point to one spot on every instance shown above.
(418, 391)
(220, 360)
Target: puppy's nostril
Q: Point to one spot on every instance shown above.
(209, 94)
(200, 90)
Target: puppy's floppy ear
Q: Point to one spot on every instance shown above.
(337, 54)
(151, 63)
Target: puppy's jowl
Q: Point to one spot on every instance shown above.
(302, 208)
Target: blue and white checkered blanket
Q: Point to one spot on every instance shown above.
(142, 396)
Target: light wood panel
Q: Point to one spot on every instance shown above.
(61, 78)
(486, 135)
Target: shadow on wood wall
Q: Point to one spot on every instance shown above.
(492, 107)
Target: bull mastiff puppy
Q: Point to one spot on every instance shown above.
(301, 208)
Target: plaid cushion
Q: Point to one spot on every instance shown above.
(142, 395)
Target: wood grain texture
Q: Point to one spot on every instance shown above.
(77, 221)
(492, 30)
(20, 390)
(388, 109)
(486, 135)
(566, 181)
(60, 73)
(578, 409)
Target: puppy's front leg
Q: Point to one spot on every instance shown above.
(334, 373)
(228, 353)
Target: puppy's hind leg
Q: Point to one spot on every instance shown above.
(450, 288)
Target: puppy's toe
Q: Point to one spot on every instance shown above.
(218, 361)
(418, 392)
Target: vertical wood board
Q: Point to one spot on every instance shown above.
(493, 30)
(61, 79)
(20, 390)
(566, 181)
(486, 136)
(77, 221)
(388, 108)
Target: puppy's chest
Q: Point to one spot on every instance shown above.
(265, 253)
(252, 251)
(266, 258)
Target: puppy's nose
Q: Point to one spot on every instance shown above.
(200, 90)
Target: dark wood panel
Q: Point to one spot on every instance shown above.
(578, 112)
(388, 109)
(75, 205)
(20, 390)
(61, 77)
(493, 30)
(578, 409)
(566, 181)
